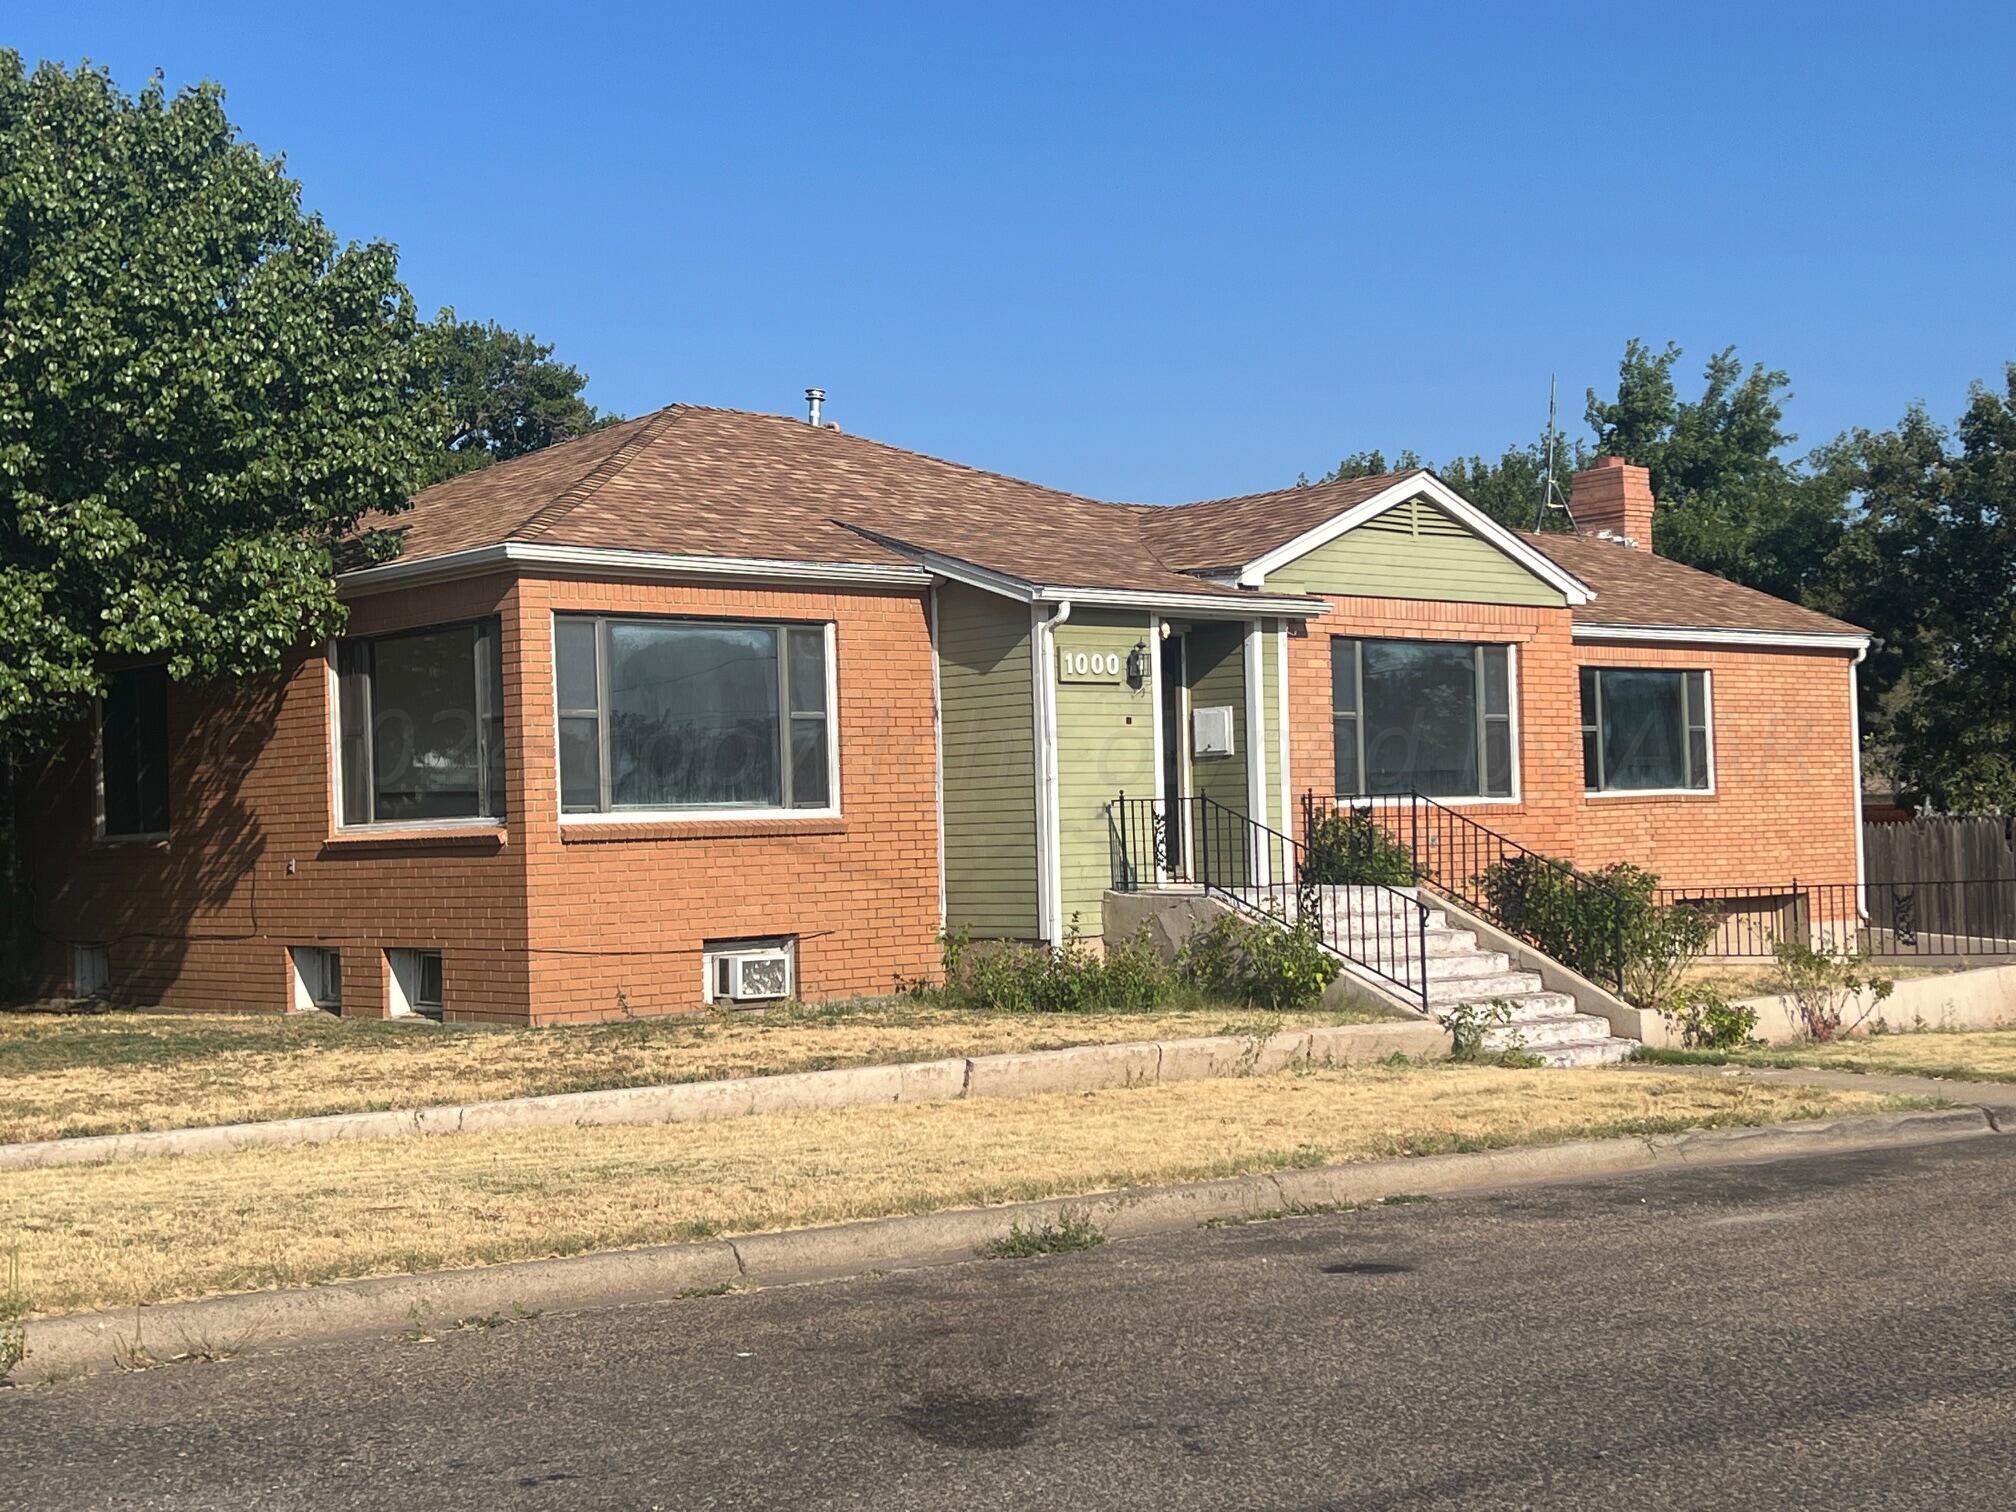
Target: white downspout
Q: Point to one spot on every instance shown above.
(1855, 734)
(1050, 821)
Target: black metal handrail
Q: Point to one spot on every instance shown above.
(1379, 929)
(1477, 867)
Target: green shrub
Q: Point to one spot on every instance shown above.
(1469, 1023)
(1263, 964)
(1827, 986)
(1071, 978)
(1608, 925)
(1707, 1019)
(1347, 848)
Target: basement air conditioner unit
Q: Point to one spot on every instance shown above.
(752, 976)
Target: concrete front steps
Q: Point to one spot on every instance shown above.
(1382, 927)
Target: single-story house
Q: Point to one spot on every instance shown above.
(713, 705)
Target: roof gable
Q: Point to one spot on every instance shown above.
(1415, 549)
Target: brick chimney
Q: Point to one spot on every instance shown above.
(1613, 499)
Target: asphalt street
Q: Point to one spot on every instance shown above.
(1835, 1332)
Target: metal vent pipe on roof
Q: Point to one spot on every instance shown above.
(814, 397)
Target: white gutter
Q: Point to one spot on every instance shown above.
(1049, 822)
(649, 564)
(1817, 640)
(1855, 734)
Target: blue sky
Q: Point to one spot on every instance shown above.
(1160, 251)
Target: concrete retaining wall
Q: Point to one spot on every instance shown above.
(1984, 998)
(1085, 1068)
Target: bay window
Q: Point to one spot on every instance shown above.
(421, 726)
(659, 714)
(1645, 730)
(1420, 715)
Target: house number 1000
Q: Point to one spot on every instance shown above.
(1091, 666)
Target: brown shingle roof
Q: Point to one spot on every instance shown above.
(1218, 534)
(708, 482)
(691, 480)
(1637, 588)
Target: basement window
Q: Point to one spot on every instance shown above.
(90, 971)
(415, 983)
(318, 978)
(421, 726)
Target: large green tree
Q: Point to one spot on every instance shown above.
(200, 392)
(504, 393)
(1929, 564)
(1732, 498)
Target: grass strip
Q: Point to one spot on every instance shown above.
(1946, 1054)
(115, 1073)
(149, 1231)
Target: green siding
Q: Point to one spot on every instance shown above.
(1105, 746)
(1414, 551)
(987, 729)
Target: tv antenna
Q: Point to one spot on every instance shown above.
(1550, 491)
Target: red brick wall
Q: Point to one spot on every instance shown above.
(618, 913)
(1784, 799)
(533, 924)
(202, 919)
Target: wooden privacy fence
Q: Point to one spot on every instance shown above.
(1941, 850)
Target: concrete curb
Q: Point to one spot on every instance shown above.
(59, 1348)
(1084, 1068)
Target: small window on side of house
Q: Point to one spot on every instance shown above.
(416, 983)
(1645, 729)
(90, 971)
(318, 978)
(133, 755)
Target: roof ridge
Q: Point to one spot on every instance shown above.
(555, 509)
(1387, 478)
(905, 451)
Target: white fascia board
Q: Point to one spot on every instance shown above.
(1699, 636)
(1242, 607)
(1423, 485)
(648, 564)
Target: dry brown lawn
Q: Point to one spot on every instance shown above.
(62, 1076)
(147, 1231)
(1952, 1054)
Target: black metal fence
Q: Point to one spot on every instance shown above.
(1880, 919)
(1381, 930)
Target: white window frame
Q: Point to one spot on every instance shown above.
(98, 830)
(1513, 672)
(332, 682)
(716, 813)
(402, 983)
(305, 998)
(1613, 795)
